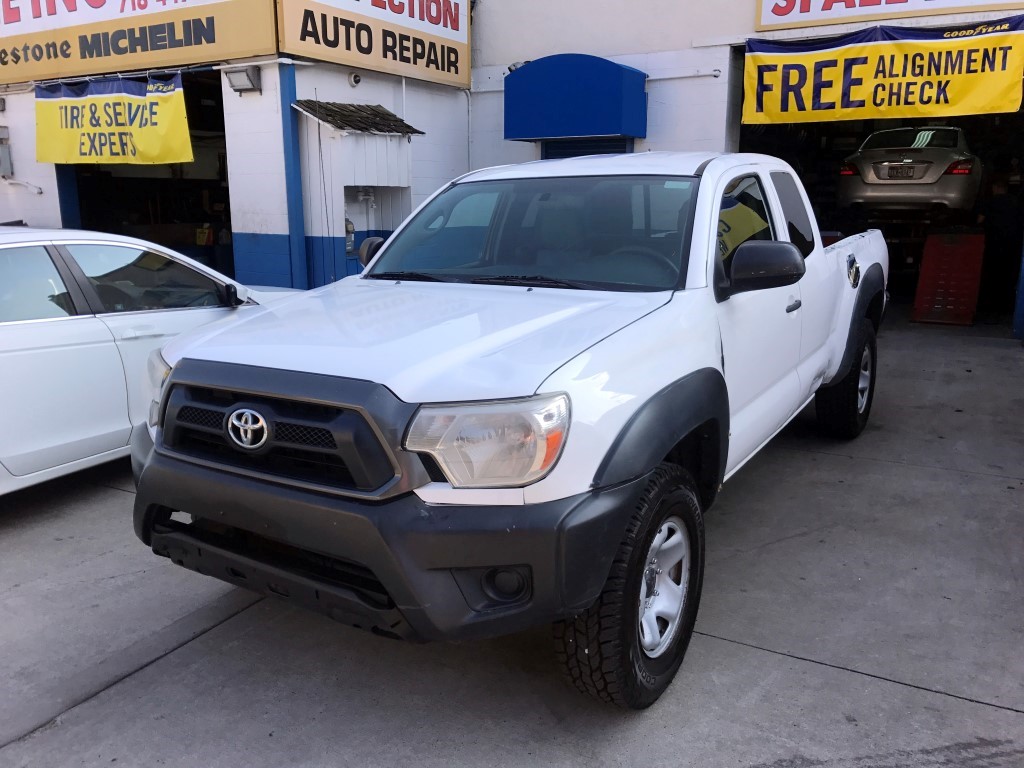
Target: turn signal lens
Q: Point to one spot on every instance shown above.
(505, 444)
(960, 168)
(157, 371)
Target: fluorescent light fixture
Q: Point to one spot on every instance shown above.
(244, 80)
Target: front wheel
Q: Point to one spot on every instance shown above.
(626, 648)
(843, 408)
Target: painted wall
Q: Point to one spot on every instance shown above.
(364, 178)
(443, 153)
(18, 202)
(688, 105)
(400, 172)
(608, 28)
(256, 182)
(611, 28)
(439, 111)
(679, 45)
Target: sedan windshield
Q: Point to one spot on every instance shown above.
(626, 233)
(914, 138)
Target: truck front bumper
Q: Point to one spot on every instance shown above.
(401, 568)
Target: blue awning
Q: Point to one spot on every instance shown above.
(572, 95)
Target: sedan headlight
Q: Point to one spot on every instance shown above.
(504, 444)
(157, 371)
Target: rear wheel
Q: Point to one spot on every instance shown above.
(843, 408)
(626, 648)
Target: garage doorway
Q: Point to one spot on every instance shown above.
(183, 206)
(819, 152)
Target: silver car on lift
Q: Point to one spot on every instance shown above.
(929, 168)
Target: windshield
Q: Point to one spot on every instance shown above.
(914, 138)
(626, 233)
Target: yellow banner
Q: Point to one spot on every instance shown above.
(781, 14)
(422, 39)
(113, 121)
(887, 72)
(68, 38)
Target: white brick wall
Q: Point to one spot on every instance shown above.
(252, 124)
(18, 202)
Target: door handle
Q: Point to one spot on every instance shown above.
(794, 306)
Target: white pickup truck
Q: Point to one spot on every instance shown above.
(520, 410)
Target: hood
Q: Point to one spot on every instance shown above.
(426, 342)
(271, 294)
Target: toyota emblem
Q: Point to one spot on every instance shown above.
(248, 429)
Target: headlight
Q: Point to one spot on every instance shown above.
(493, 445)
(157, 370)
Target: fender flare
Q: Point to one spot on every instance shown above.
(662, 422)
(871, 285)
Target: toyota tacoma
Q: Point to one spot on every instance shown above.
(520, 411)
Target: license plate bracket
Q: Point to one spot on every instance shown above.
(901, 172)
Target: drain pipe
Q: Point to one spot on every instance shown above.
(716, 73)
(469, 129)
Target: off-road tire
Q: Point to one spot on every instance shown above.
(839, 407)
(599, 650)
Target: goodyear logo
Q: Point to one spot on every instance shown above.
(984, 29)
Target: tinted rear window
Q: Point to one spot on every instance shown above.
(801, 233)
(914, 138)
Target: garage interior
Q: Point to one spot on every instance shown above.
(184, 206)
(818, 150)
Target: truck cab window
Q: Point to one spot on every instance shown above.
(801, 233)
(743, 216)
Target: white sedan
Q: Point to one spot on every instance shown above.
(80, 314)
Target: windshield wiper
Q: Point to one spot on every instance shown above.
(534, 280)
(420, 276)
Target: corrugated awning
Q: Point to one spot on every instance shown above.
(363, 118)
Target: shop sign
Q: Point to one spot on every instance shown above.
(782, 14)
(49, 39)
(423, 39)
(112, 120)
(887, 72)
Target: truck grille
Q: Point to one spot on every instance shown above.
(201, 417)
(330, 446)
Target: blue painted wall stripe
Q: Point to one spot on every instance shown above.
(300, 267)
(328, 259)
(262, 259)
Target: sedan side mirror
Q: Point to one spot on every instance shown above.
(232, 298)
(761, 264)
(369, 249)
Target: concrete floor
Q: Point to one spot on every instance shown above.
(863, 608)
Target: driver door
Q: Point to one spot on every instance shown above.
(760, 329)
(145, 299)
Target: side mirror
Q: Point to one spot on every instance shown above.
(369, 249)
(231, 296)
(761, 264)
